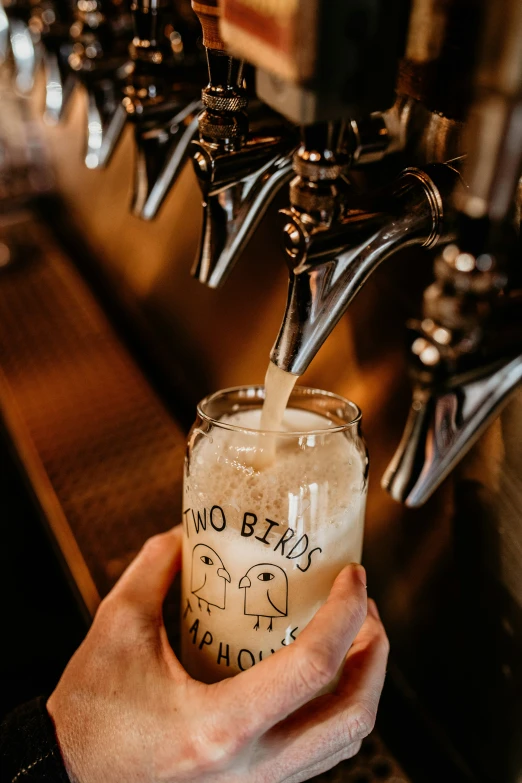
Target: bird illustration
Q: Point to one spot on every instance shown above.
(209, 577)
(266, 592)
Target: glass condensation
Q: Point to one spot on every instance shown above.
(269, 521)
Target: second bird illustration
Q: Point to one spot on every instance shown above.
(209, 577)
(266, 592)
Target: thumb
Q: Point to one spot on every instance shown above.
(147, 580)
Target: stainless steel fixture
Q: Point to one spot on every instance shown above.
(99, 61)
(468, 347)
(21, 40)
(161, 100)
(335, 239)
(241, 161)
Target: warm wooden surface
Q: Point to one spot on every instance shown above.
(103, 455)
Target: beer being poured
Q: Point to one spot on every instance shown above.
(274, 500)
(278, 388)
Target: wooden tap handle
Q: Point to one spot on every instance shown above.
(208, 13)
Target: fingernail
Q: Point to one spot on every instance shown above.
(372, 609)
(360, 573)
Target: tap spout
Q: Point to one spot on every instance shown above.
(162, 148)
(237, 187)
(466, 360)
(4, 35)
(59, 86)
(161, 100)
(26, 54)
(105, 121)
(158, 96)
(239, 168)
(444, 422)
(240, 161)
(99, 60)
(329, 264)
(467, 356)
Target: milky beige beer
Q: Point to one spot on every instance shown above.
(265, 536)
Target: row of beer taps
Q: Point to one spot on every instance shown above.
(146, 65)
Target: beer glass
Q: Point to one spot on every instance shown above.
(264, 541)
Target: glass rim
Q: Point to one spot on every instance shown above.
(308, 391)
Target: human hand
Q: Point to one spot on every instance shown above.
(126, 710)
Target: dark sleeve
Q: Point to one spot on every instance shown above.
(28, 748)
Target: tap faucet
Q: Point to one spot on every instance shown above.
(466, 361)
(161, 99)
(241, 161)
(99, 60)
(49, 24)
(4, 35)
(17, 37)
(37, 33)
(26, 174)
(467, 350)
(335, 238)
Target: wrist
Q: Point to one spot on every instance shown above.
(65, 746)
(28, 745)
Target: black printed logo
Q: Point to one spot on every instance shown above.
(209, 577)
(266, 592)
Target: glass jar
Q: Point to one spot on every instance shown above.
(264, 541)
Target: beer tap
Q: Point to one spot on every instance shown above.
(467, 350)
(161, 98)
(50, 23)
(241, 162)
(99, 60)
(17, 37)
(335, 237)
(466, 361)
(4, 35)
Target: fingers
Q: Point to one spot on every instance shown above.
(334, 725)
(280, 684)
(363, 675)
(146, 581)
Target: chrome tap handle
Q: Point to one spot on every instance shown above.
(25, 53)
(494, 134)
(466, 361)
(4, 35)
(443, 424)
(329, 262)
(239, 169)
(161, 99)
(26, 173)
(24, 43)
(161, 153)
(105, 120)
(59, 85)
(99, 60)
(467, 354)
(236, 193)
(54, 18)
(155, 92)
